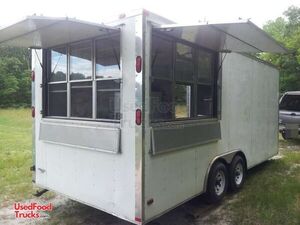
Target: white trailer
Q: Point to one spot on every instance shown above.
(137, 116)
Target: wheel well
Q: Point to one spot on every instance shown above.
(227, 159)
(241, 154)
(218, 160)
(221, 160)
(226, 162)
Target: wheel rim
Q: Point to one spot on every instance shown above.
(238, 174)
(220, 182)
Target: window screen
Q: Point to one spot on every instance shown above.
(161, 100)
(57, 99)
(204, 101)
(184, 65)
(161, 58)
(182, 80)
(205, 67)
(108, 99)
(81, 99)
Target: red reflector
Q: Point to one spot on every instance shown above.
(137, 219)
(32, 75)
(138, 64)
(138, 117)
(33, 111)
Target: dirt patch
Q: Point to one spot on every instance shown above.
(197, 212)
(293, 168)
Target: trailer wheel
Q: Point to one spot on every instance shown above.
(283, 135)
(217, 183)
(237, 172)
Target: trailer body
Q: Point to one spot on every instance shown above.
(130, 165)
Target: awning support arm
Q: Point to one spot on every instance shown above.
(221, 64)
(114, 49)
(39, 59)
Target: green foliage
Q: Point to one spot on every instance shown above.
(15, 83)
(286, 31)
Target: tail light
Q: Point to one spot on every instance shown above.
(32, 75)
(138, 117)
(138, 64)
(33, 111)
(138, 219)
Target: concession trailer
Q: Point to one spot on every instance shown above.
(137, 116)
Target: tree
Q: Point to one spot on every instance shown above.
(287, 32)
(15, 83)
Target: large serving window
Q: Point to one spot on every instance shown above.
(83, 79)
(183, 80)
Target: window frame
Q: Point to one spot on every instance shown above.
(194, 84)
(68, 81)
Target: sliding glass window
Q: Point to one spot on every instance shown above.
(57, 82)
(182, 80)
(108, 76)
(84, 80)
(205, 84)
(161, 79)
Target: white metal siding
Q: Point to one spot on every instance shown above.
(103, 180)
(249, 123)
(249, 107)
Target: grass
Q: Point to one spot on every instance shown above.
(15, 155)
(271, 194)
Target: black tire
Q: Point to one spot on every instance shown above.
(237, 173)
(283, 135)
(214, 194)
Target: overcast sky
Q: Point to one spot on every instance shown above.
(184, 11)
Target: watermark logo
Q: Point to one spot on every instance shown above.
(31, 210)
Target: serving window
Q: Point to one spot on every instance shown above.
(183, 80)
(83, 80)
